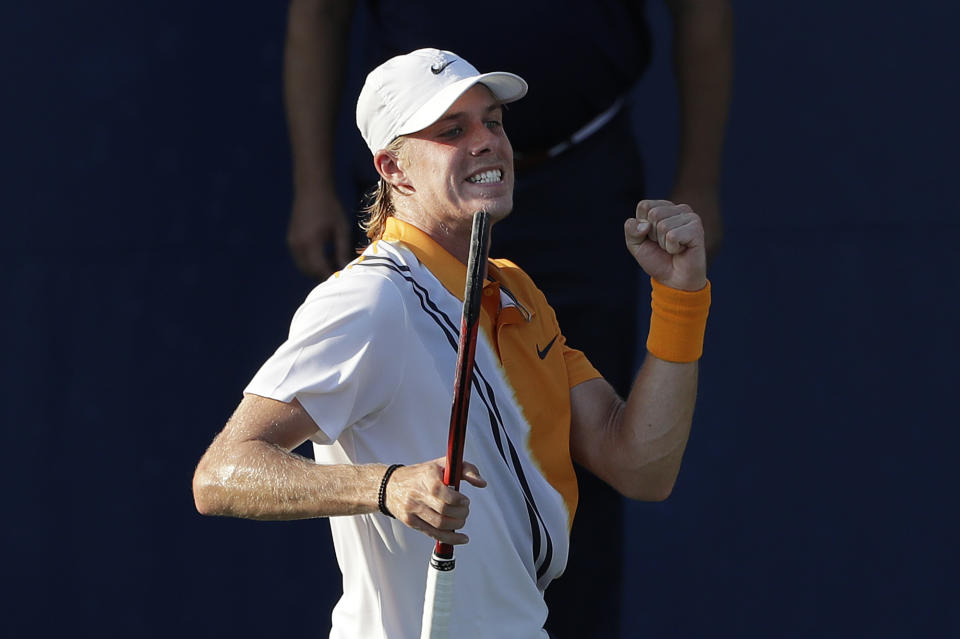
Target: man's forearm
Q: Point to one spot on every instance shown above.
(637, 445)
(315, 59)
(248, 471)
(703, 64)
(654, 426)
(259, 480)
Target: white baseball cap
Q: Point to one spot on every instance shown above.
(410, 92)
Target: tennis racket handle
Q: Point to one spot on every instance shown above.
(438, 599)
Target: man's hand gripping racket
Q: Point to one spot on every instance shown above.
(438, 597)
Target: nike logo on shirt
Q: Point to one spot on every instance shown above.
(546, 349)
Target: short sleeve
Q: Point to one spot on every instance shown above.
(579, 368)
(344, 356)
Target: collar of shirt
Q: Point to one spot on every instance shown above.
(451, 272)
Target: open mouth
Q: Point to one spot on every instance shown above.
(487, 177)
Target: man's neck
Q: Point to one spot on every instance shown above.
(455, 241)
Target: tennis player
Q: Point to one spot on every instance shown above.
(366, 374)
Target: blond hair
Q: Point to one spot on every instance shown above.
(379, 202)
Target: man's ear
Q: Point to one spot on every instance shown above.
(389, 167)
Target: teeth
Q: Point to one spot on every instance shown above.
(486, 177)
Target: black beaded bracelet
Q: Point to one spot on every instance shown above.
(382, 495)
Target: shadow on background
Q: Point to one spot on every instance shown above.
(145, 278)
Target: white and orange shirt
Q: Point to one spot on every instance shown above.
(371, 356)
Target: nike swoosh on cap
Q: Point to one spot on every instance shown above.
(437, 69)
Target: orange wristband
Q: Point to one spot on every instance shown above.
(677, 322)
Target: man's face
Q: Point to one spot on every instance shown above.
(461, 163)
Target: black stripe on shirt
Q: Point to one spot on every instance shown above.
(488, 397)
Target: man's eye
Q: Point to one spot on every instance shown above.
(494, 124)
(451, 133)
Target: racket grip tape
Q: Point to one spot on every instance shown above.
(438, 598)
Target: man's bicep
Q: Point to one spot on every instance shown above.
(595, 408)
(284, 424)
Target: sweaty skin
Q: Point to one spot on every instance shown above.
(249, 471)
(434, 174)
(635, 445)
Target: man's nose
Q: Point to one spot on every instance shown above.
(481, 140)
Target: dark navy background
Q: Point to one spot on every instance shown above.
(144, 277)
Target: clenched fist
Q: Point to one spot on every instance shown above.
(667, 241)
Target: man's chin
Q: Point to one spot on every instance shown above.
(498, 209)
(497, 215)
